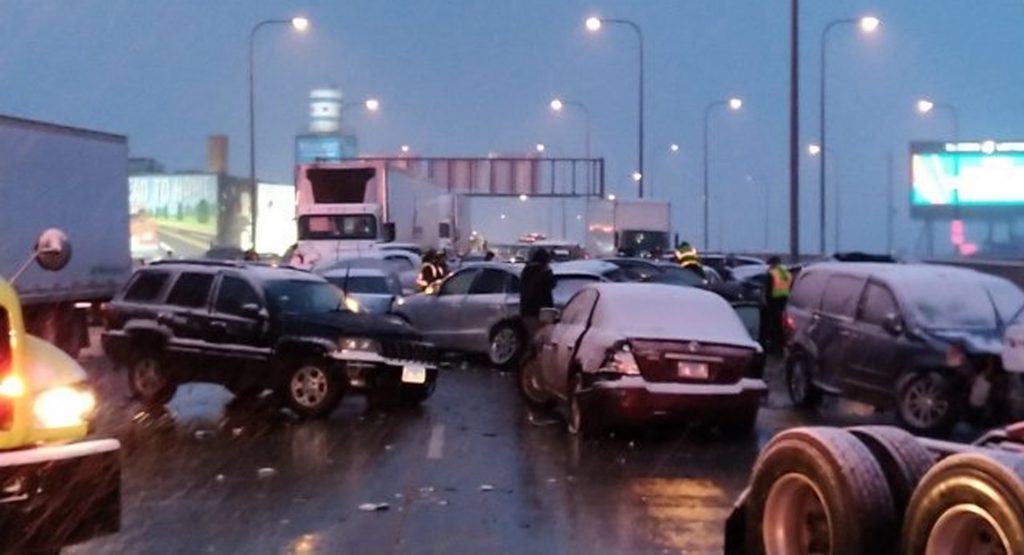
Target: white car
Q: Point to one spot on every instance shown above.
(617, 353)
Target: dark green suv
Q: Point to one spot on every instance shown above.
(252, 327)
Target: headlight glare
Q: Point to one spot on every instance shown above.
(362, 344)
(62, 407)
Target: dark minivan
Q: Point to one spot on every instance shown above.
(923, 339)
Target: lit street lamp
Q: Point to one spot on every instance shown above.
(594, 24)
(540, 147)
(371, 104)
(733, 104)
(868, 24)
(925, 106)
(299, 24)
(558, 104)
(673, 147)
(405, 149)
(815, 150)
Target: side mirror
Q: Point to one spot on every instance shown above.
(550, 315)
(892, 323)
(254, 311)
(52, 249)
(389, 232)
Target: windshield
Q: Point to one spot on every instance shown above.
(371, 285)
(296, 296)
(638, 242)
(341, 226)
(934, 307)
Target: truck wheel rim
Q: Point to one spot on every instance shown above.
(967, 530)
(309, 386)
(798, 381)
(147, 377)
(796, 520)
(504, 345)
(924, 403)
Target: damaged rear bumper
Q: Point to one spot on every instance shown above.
(633, 399)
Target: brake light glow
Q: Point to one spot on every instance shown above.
(955, 356)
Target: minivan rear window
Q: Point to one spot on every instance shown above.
(841, 295)
(146, 286)
(808, 289)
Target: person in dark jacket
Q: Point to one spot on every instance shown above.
(536, 289)
(430, 271)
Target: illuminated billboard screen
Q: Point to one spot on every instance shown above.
(966, 177)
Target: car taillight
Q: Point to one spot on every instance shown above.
(621, 361)
(789, 322)
(955, 356)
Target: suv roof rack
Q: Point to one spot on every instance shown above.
(225, 263)
(198, 262)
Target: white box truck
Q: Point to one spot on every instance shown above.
(72, 179)
(354, 205)
(632, 227)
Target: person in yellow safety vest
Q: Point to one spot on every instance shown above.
(430, 271)
(780, 281)
(687, 257)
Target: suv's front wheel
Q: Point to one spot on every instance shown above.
(311, 388)
(149, 381)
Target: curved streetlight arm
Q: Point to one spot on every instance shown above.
(252, 121)
(707, 196)
(954, 115)
(586, 115)
(821, 126)
(640, 125)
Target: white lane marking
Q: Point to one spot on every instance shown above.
(435, 447)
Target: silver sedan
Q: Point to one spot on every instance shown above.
(474, 310)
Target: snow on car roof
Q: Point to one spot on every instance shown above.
(656, 311)
(907, 273)
(596, 267)
(357, 272)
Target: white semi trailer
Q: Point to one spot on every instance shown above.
(76, 180)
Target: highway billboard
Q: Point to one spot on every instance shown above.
(966, 178)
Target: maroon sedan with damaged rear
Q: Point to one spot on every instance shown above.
(636, 352)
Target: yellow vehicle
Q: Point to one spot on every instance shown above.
(55, 488)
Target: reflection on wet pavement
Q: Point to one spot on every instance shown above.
(471, 471)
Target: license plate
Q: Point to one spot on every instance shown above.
(414, 374)
(692, 370)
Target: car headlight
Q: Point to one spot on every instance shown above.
(362, 344)
(352, 305)
(63, 407)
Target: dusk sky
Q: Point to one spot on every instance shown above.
(467, 77)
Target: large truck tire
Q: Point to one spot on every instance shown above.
(968, 503)
(819, 490)
(902, 458)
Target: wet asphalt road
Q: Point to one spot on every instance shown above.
(471, 471)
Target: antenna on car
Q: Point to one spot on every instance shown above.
(344, 284)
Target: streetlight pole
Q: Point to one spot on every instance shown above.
(794, 129)
(558, 104)
(868, 25)
(594, 24)
(733, 104)
(299, 24)
(925, 106)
